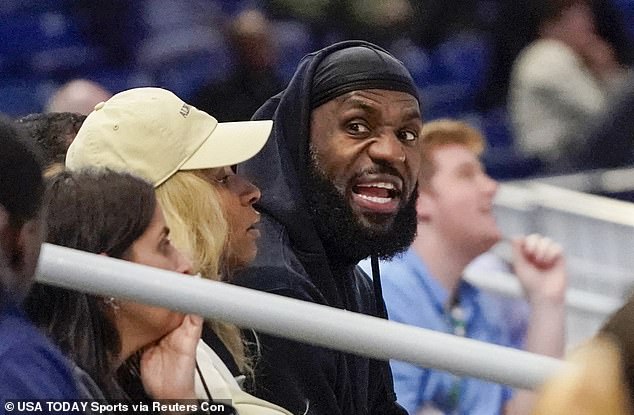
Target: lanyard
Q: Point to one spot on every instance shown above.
(456, 318)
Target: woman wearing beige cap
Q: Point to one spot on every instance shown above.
(185, 153)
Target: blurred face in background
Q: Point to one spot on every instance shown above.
(575, 26)
(252, 35)
(458, 199)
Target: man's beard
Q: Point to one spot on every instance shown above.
(345, 238)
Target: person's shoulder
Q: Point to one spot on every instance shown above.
(31, 366)
(545, 58)
(18, 335)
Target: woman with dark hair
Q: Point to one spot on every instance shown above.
(116, 215)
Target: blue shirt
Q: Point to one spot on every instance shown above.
(30, 366)
(414, 297)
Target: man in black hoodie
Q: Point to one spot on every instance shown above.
(338, 179)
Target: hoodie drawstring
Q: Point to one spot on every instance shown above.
(382, 312)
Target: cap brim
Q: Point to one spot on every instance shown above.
(230, 143)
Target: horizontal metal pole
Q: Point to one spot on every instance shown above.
(293, 319)
(508, 285)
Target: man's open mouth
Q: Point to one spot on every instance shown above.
(381, 195)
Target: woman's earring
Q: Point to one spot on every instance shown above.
(111, 302)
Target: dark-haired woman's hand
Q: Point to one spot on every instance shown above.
(168, 367)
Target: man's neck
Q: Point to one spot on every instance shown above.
(443, 259)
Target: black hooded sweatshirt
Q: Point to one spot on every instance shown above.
(292, 261)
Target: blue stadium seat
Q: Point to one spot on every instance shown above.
(73, 60)
(416, 59)
(293, 40)
(8, 8)
(186, 75)
(444, 100)
(465, 57)
(626, 8)
(120, 79)
(507, 164)
(24, 34)
(159, 16)
(502, 160)
(182, 60)
(20, 97)
(496, 126)
(233, 7)
(42, 44)
(459, 68)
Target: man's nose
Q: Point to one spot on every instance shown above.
(387, 148)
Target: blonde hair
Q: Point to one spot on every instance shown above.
(444, 132)
(591, 383)
(53, 170)
(199, 228)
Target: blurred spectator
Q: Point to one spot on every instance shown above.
(30, 367)
(514, 24)
(379, 21)
(113, 25)
(79, 96)
(599, 376)
(591, 383)
(425, 287)
(561, 81)
(253, 79)
(53, 132)
(619, 329)
(315, 14)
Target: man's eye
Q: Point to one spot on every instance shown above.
(358, 128)
(407, 136)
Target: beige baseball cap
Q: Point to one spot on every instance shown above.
(153, 133)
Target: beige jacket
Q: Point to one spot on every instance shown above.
(223, 386)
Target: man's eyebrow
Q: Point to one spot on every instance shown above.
(412, 113)
(354, 102)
